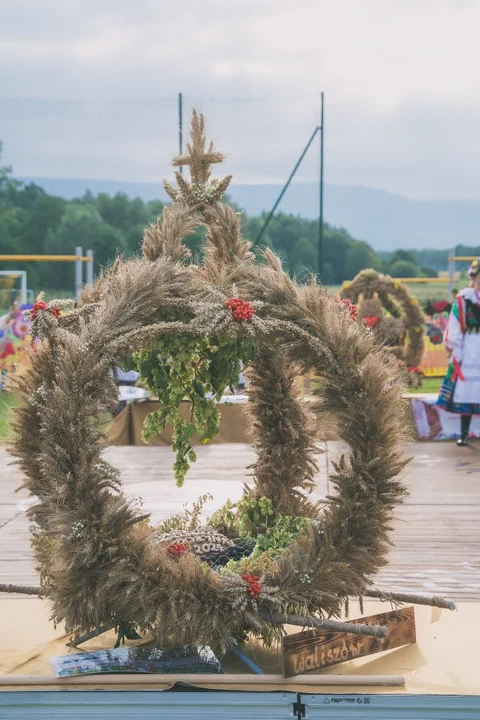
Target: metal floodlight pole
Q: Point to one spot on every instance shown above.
(320, 212)
(180, 126)
(22, 274)
(285, 188)
(78, 271)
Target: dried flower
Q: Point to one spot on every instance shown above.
(77, 530)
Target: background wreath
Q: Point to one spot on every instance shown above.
(100, 561)
(399, 303)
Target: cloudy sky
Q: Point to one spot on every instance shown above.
(88, 88)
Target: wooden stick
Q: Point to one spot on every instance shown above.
(20, 589)
(88, 636)
(203, 679)
(433, 601)
(376, 631)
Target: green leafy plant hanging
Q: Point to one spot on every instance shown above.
(182, 367)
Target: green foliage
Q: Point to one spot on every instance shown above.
(405, 255)
(8, 401)
(280, 535)
(223, 519)
(196, 369)
(45, 216)
(295, 239)
(359, 256)
(255, 515)
(427, 262)
(428, 271)
(81, 224)
(435, 259)
(254, 518)
(404, 269)
(10, 215)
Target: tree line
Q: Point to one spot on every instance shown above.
(34, 222)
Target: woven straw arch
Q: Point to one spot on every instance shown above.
(94, 550)
(396, 300)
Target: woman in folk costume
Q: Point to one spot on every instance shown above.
(460, 392)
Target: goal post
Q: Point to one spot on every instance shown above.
(22, 274)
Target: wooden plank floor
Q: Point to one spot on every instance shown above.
(436, 534)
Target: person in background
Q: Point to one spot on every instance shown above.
(123, 377)
(460, 391)
(9, 317)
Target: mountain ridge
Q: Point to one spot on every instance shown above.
(385, 220)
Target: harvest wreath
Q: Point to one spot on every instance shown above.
(276, 556)
(403, 329)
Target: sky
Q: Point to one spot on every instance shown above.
(88, 88)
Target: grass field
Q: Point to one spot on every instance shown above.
(7, 401)
(429, 385)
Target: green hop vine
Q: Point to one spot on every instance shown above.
(272, 532)
(196, 369)
(254, 518)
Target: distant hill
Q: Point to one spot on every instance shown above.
(385, 220)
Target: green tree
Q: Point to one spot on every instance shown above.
(428, 271)
(360, 256)
(404, 269)
(44, 216)
(405, 255)
(82, 224)
(129, 215)
(336, 244)
(11, 217)
(26, 196)
(291, 237)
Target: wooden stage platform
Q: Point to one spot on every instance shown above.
(436, 536)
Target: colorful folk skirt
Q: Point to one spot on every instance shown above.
(445, 398)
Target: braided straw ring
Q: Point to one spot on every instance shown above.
(109, 570)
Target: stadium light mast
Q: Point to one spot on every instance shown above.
(320, 199)
(180, 127)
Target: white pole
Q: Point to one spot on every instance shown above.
(89, 268)
(23, 286)
(78, 271)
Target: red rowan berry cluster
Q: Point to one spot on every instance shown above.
(349, 306)
(241, 309)
(41, 305)
(254, 587)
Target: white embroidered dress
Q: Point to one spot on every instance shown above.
(463, 339)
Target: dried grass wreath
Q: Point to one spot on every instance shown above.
(100, 561)
(402, 330)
